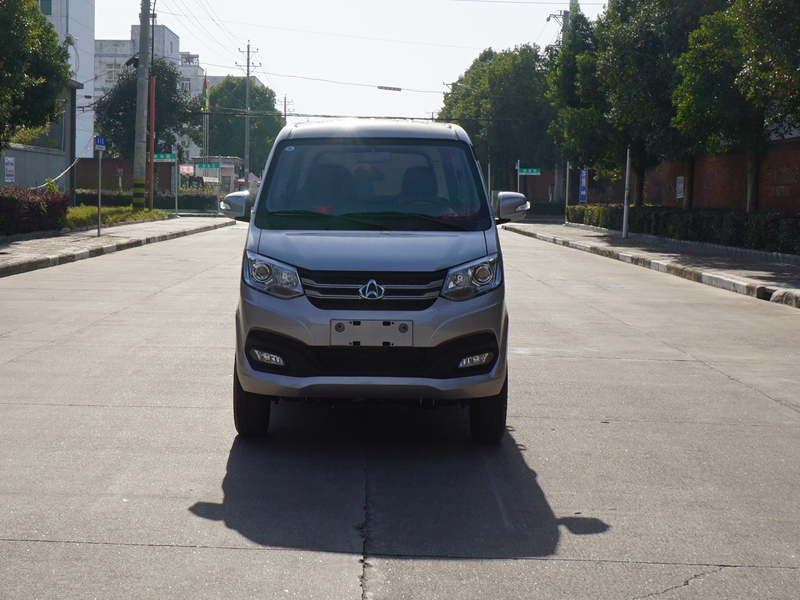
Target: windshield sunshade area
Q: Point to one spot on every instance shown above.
(373, 184)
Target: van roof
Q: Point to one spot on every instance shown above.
(371, 128)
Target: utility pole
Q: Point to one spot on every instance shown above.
(563, 18)
(140, 141)
(247, 119)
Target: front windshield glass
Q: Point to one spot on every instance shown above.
(373, 184)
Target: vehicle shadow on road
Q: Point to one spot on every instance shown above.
(387, 482)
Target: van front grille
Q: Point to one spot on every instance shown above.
(339, 290)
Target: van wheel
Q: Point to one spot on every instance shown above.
(487, 417)
(250, 411)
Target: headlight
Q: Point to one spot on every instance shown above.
(473, 279)
(271, 277)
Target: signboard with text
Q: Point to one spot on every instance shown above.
(10, 169)
(584, 185)
(206, 170)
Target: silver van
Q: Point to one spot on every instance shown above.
(373, 271)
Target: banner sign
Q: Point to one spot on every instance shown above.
(10, 167)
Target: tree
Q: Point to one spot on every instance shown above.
(711, 106)
(581, 128)
(176, 113)
(501, 102)
(227, 102)
(640, 42)
(34, 69)
(769, 31)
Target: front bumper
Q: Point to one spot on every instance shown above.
(427, 370)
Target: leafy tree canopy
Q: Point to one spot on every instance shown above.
(176, 113)
(227, 102)
(34, 68)
(769, 33)
(505, 110)
(581, 128)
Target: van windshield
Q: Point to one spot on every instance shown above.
(373, 184)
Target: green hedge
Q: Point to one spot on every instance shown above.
(25, 210)
(769, 231)
(547, 208)
(191, 200)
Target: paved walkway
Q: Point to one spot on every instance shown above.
(19, 256)
(757, 274)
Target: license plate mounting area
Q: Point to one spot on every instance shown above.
(372, 333)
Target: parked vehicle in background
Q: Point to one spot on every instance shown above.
(373, 271)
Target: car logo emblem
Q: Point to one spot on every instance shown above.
(372, 291)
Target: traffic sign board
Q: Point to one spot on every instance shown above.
(99, 142)
(163, 157)
(207, 166)
(530, 171)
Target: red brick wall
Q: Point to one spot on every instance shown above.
(721, 182)
(87, 174)
(780, 177)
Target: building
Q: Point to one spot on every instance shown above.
(74, 20)
(111, 57)
(50, 156)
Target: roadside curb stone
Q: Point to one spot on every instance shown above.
(733, 282)
(22, 256)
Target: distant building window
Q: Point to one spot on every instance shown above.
(186, 85)
(112, 73)
(46, 6)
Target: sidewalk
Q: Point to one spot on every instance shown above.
(24, 255)
(755, 274)
(747, 272)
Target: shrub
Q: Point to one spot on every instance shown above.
(770, 232)
(546, 208)
(24, 210)
(189, 200)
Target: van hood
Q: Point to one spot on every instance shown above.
(373, 250)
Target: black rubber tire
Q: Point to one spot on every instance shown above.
(487, 417)
(250, 411)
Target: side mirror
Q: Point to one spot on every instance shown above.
(237, 205)
(511, 206)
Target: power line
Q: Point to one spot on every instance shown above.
(340, 35)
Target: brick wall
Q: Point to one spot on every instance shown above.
(87, 174)
(721, 181)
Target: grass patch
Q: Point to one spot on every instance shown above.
(86, 216)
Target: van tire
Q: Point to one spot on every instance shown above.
(487, 417)
(250, 411)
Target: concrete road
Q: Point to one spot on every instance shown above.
(653, 448)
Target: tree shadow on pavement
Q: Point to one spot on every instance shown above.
(384, 481)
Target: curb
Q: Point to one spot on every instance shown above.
(762, 292)
(26, 265)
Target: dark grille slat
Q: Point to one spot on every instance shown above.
(338, 290)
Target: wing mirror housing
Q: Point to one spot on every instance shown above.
(511, 206)
(237, 205)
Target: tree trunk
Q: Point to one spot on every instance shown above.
(638, 190)
(753, 168)
(688, 183)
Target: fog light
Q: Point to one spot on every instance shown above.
(475, 360)
(268, 358)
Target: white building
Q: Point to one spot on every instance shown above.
(111, 56)
(74, 19)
